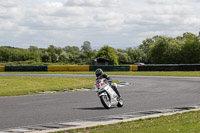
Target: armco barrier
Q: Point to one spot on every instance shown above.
(25, 68)
(165, 67)
(133, 67)
(2, 68)
(111, 68)
(169, 68)
(69, 68)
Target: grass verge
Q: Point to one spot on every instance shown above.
(11, 86)
(179, 123)
(137, 73)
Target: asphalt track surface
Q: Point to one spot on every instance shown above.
(143, 93)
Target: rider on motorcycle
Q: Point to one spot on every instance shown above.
(99, 75)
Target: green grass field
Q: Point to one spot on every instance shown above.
(179, 123)
(136, 73)
(11, 86)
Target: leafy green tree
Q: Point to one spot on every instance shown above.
(86, 53)
(4, 54)
(123, 57)
(146, 44)
(54, 53)
(109, 53)
(86, 46)
(73, 52)
(136, 55)
(71, 49)
(165, 51)
(35, 53)
(86, 57)
(45, 57)
(156, 50)
(64, 57)
(17, 54)
(140, 56)
(33, 49)
(190, 52)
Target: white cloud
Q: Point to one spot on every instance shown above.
(10, 3)
(113, 22)
(92, 2)
(170, 1)
(192, 21)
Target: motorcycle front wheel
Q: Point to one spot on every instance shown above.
(105, 100)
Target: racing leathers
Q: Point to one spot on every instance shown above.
(107, 77)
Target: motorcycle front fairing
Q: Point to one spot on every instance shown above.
(113, 95)
(100, 87)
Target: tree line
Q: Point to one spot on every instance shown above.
(183, 49)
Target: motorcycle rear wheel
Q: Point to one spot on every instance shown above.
(120, 103)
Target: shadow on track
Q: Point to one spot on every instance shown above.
(92, 108)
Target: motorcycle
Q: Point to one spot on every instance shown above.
(107, 95)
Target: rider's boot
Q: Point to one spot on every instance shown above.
(117, 92)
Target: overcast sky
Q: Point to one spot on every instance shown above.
(117, 23)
